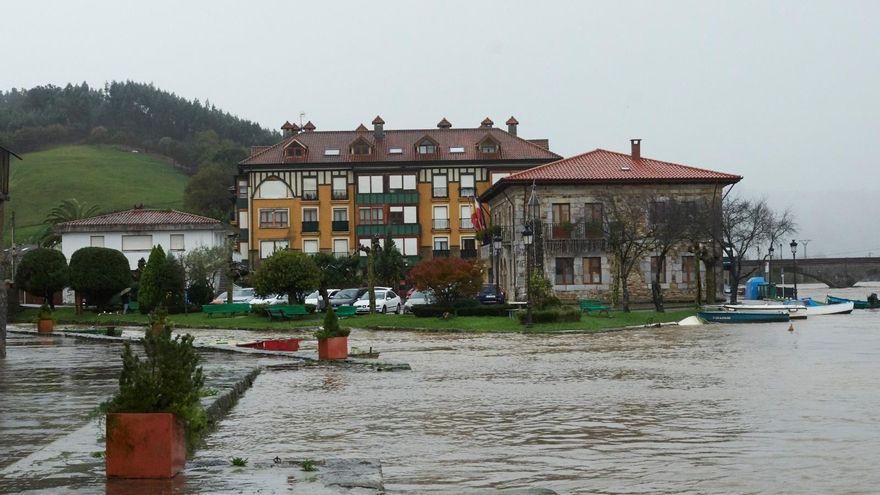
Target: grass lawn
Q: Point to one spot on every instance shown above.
(471, 324)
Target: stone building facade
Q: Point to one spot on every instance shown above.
(571, 244)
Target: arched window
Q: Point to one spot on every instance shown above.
(272, 188)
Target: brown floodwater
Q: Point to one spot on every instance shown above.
(711, 409)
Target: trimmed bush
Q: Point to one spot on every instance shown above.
(554, 315)
(99, 273)
(43, 272)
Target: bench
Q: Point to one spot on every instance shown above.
(134, 307)
(345, 311)
(286, 311)
(226, 309)
(593, 306)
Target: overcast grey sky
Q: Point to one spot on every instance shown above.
(784, 93)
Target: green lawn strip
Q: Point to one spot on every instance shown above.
(468, 324)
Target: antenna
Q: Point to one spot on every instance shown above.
(301, 115)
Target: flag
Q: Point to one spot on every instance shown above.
(477, 218)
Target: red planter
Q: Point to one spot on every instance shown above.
(144, 445)
(273, 345)
(333, 348)
(45, 326)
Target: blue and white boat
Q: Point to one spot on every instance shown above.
(725, 315)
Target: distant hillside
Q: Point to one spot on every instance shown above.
(111, 178)
(130, 114)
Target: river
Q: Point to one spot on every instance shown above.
(711, 409)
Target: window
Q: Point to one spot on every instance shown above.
(310, 188)
(340, 188)
(465, 219)
(564, 271)
(593, 220)
(96, 241)
(340, 214)
(401, 214)
(177, 242)
(310, 246)
(466, 186)
(395, 151)
(242, 188)
(427, 147)
(657, 212)
(360, 148)
(468, 247)
(593, 270)
(488, 146)
(441, 244)
(441, 217)
(658, 265)
(440, 186)
(273, 218)
(331, 152)
(371, 216)
(310, 214)
(367, 243)
(370, 184)
(268, 248)
(340, 247)
(496, 176)
(137, 242)
(401, 183)
(688, 272)
(456, 149)
(562, 226)
(272, 189)
(408, 246)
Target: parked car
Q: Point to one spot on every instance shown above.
(239, 295)
(387, 301)
(270, 299)
(346, 297)
(491, 294)
(416, 298)
(316, 299)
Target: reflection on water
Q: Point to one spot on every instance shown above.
(713, 409)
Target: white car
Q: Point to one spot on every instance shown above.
(315, 298)
(387, 301)
(239, 295)
(416, 298)
(270, 299)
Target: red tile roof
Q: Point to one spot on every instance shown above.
(512, 148)
(142, 217)
(512, 121)
(602, 166)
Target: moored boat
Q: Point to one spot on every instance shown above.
(871, 303)
(273, 345)
(795, 310)
(743, 316)
(816, 308)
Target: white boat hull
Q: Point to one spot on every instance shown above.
(831, 309)
(795, 311)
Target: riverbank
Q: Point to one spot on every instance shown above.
(464, 324)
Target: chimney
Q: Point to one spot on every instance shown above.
(511, 125)
(487, 123)
(378, 127)
(636, 148)
(289, 129)
(444, 124)
(309, 127)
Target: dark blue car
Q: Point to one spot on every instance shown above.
(491, 294)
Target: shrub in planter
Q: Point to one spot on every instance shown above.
(45, 319)
(554, 315)
(332, 339)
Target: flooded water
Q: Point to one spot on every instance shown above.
(703, 410)
(712, 409)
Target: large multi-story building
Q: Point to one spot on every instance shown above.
(333, 191)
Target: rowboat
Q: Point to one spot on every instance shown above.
(871, 303)
(796, 310)
(816, 308)
(743, 316)
(362, 354)
(273, 345)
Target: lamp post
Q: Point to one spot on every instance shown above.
(496, 249)
(770, 268)
(527, 237)
(794, 246)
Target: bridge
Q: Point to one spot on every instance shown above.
(834, 272)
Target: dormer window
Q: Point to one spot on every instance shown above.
(360, 149)
(295, 151)
(427, 147)
(488, 146)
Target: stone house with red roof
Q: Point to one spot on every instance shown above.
(571, 245)
(333, 191)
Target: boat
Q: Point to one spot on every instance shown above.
(360, 354)
(816, 308)
(796, 310)
(743, 316)
(871, 303)
(272, 345)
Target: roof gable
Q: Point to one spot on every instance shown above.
(141, 218)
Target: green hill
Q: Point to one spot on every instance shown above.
(108, 177)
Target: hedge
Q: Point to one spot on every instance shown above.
(554, 315)
(437, 310)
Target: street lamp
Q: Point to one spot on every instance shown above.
(794, 246)
(496, 248)
(770, 268)
(527, 237)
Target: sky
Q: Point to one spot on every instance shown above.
(784, 93)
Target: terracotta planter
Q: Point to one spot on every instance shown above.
(45, 326)
(144, 445)
(333, 348)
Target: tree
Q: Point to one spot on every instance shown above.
(66, 211)
(207, 192)
(744, 225)
(629, 237)
(43, 272)
(335, 272)
(203, 266)
(450, 279)
(389, 264)
(287, 272)
(99, 273)
(158, 282)
(673, 225)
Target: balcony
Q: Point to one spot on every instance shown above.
(341, 254)
(466, 224)
(441, 253)
(382, 229)
(395, 198)
(310, 227)
(576, 230)
(340, 225)
(310, 195)
(468, 253)
(440, 192)
(339, 194)
(440, 224)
